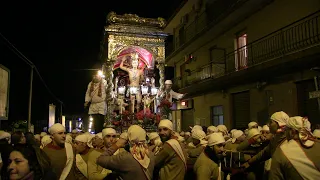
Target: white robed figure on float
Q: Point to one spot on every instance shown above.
(168, 94)
(95, 98)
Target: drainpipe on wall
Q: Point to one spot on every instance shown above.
(317, 88)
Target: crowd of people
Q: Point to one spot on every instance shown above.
(285, 148)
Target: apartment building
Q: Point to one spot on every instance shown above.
(242, 60)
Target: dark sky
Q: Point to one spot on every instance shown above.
(60, 37)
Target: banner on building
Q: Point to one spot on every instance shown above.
(52, 114)
(4, 92)
(63, 121)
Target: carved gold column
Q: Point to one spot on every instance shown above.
(109, 91)
(160, 66)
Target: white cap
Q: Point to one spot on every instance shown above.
(124, 135)
(198, 134)
(316, 133)
(251, 124)
(252, 132)
(82, 138)
(136, 134)
(99, 135)
(153, 135)
(212, 129)
(196, 127)
(4, 135)
(108, 131)
(215, 138)
(265, 128)
(169, 82)
(166, 123)
(280, 117)
(43, 134)
(235, 134)
(56, 128)
(187, 133)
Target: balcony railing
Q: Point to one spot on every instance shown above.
(298, 36)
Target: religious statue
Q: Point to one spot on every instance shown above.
(134, 76)
(168, 93)
(95, 99)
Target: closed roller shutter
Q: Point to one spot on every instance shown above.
(187, 120)
(307, 107)
(241, 109)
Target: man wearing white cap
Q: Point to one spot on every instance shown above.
(171, 160)
(277, 125)
(86, 166)
(109, 136)
(60, 153)
(252, 125)
(297, 157)
(168, 93)
(138, 163)
(155, 142)
(237, 137)
(187, 137)
(211, 129)
(208, 164)
(97, 142)
(198, 143)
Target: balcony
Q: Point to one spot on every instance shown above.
(213, 14)
(292, 42)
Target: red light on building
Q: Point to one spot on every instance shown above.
(183, 103)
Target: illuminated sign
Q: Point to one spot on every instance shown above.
(4, 92)
(52, 114)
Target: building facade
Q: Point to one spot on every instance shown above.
(242, 60)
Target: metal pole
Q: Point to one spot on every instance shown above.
(30, 99)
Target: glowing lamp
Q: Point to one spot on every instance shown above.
(91, 118)
(121, 90)
(154, 91)
(147, 80)
(90, 125)
(133, 90)
(89, 130)
(144, 90)
(183, 103)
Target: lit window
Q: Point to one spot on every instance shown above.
(241, 56)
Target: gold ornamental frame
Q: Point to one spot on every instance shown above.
(123, 31)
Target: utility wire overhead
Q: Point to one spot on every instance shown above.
(30, 63)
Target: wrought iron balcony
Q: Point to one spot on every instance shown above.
(293, 38)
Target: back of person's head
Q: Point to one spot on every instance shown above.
(16, 137)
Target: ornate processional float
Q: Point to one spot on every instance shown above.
(133, 51)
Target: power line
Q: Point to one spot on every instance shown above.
(30, 63)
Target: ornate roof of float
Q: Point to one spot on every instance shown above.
(133, 24)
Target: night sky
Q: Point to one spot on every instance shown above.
(60, 38)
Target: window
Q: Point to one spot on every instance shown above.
(241, 57)
(217, 115)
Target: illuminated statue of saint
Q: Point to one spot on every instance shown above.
(134, 76)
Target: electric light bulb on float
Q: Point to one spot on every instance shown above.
(144, 90)
(121, 90)
(133, 90)
(154, 91)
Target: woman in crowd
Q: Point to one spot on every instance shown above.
(23, 164)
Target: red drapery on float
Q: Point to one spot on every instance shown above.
(145, 57)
